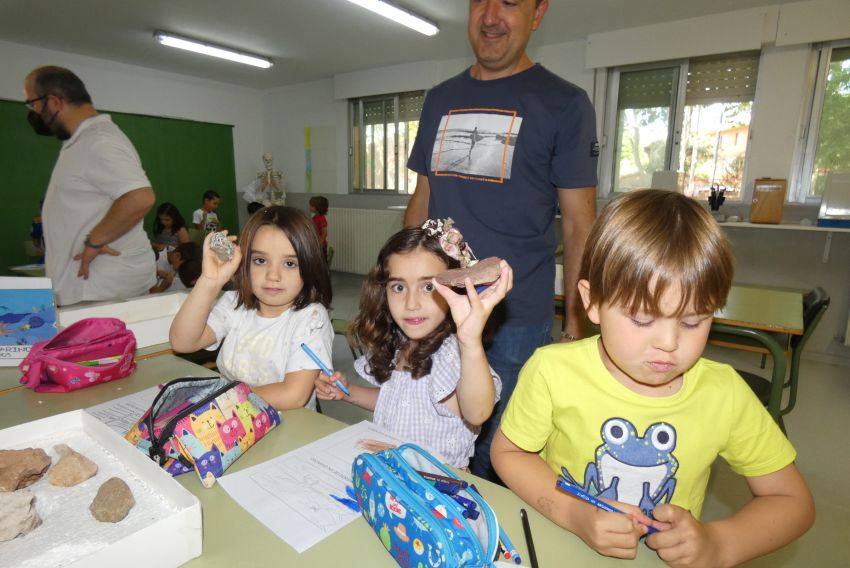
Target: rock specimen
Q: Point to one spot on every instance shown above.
(222, 246)
(482, 272)
(22, 468)
(112, 502)
(72, 468)
(17, 514)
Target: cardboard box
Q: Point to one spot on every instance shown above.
(166, 531)
(149, 317)
(768, 201)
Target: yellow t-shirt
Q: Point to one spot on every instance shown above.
(638, 449)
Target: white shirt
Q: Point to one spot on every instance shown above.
(162, 265)
(198, 217)
(261, 351)
(96, 166)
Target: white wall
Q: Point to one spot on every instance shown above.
(127, 88)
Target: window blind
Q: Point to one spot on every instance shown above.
(722, 79)
(648, 88)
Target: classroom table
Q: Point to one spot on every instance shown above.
(232, 537)
(761, 313)
(764, 309)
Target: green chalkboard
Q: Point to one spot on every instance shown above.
(182, 159)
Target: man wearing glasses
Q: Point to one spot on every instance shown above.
(96, 248)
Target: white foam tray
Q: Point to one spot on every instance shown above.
(148, 317)
(164, 528)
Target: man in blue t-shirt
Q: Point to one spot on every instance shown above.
(499, 148)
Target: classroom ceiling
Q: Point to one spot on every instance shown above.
(308, 39)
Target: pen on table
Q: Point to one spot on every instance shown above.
(324, 368)
(529, 542)
(581, 494)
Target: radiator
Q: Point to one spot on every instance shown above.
(357, 236)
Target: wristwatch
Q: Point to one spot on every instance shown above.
(87, 243)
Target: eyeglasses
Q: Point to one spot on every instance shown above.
(29, 102)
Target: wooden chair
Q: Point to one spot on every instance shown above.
(770, 391)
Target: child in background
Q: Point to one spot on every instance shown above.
(183, 262)
(206, 218)
(318, 209)
(282, 294)
(638, 413)
(169, 229)
(434, 384)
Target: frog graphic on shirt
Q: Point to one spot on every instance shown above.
(630, 468)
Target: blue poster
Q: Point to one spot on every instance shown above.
(27, 316)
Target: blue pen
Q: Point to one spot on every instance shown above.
(324, 368)
(584, 496)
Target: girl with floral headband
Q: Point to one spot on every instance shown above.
(422, 344)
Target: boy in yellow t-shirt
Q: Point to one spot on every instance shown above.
(635, 416)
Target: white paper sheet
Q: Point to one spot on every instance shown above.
(292, 494)
(121, 414)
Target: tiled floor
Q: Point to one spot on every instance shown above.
(819, 427)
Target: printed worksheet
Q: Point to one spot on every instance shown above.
(121, 414)
(305, 495)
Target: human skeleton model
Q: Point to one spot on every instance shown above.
(268, 187)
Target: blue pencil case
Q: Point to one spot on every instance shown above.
(417, 523)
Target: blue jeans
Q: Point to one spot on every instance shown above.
(510, 348)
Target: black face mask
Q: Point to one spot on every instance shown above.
(38, 125)
(43, 128)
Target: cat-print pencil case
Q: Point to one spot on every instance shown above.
(422, 513)
(203, 424)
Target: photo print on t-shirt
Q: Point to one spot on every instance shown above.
(476, 143)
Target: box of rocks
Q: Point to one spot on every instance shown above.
(75, 493)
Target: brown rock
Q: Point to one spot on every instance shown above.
(22, 468)
(72, 468)
(112, 502)
(17, 514)
(484, 271)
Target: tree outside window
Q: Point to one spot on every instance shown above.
(382, 133)
(706, 141)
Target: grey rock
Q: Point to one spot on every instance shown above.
(22, 468)
(112, 502)
(72, 468)
(222, 246)
(17, 514)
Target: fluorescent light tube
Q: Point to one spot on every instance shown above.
(172, 40)
(397, 14)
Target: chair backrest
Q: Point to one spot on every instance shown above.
(815, 303)
(340, 327)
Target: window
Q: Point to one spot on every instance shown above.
(827, 140)
(383, 129)
(690, 117)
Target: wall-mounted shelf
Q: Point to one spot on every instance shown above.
(793, 227)
(784, 226)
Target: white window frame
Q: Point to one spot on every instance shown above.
(606, 167)
(801, 181)
(399, 155)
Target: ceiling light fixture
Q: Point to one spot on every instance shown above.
(401, 15)
(172, 40)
